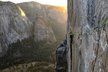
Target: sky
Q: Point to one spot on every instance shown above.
(49, 2)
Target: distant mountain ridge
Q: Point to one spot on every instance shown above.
(28, 32)
(54, 16)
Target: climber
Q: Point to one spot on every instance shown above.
(61, 64)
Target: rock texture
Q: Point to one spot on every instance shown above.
(90, 30)
(54, 17)
(27, 33)
(13, 26)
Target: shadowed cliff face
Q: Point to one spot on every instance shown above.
(27, 32)
(14, 28)
(13, 25)
(90, 29)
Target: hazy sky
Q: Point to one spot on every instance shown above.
(50, 2)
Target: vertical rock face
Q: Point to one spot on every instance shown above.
(90, 45)
(14, 25)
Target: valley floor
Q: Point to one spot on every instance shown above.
(31, 67)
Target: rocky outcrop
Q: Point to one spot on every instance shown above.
(54, 17)
(26, 32)
(90, 30)
(13, 25)
(19, 42)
